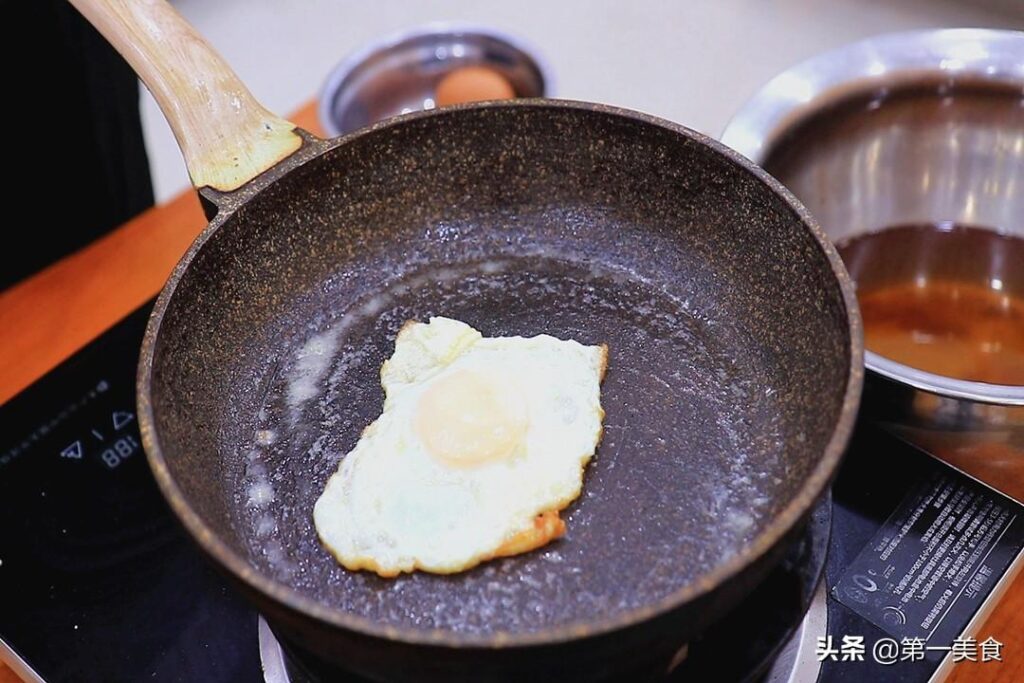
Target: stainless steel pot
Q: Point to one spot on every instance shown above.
(891, 170)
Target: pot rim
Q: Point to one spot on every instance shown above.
(890, 59)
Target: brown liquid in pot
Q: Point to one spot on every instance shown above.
(944, 298)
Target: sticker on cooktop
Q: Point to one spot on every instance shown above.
(935, 560)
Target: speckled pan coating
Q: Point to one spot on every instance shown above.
(734, 374)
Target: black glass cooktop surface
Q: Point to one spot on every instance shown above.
(97, 580)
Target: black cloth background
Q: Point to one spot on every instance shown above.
(73, 135)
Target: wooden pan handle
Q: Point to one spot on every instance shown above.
(226, 136)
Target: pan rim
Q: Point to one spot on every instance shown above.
(810, 491)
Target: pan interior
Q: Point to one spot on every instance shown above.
(727, 336)
(676, 488)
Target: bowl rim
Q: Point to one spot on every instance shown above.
(890, 59)
(336, 77)
(778, 527)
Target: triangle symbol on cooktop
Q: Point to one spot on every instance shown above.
(73, 451)
(121, 418)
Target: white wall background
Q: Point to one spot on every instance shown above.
(692, 61)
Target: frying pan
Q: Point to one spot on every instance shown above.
(733, 381)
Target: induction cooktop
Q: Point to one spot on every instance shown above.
(98, 582)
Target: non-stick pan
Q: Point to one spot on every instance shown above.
(733, 380)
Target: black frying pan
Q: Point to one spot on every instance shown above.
(733, 381)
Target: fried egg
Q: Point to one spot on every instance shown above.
(481, 442)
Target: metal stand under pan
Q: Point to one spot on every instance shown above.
(768, 638)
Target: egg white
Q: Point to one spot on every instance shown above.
(395, 505)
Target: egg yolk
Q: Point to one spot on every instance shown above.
(466, 418)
